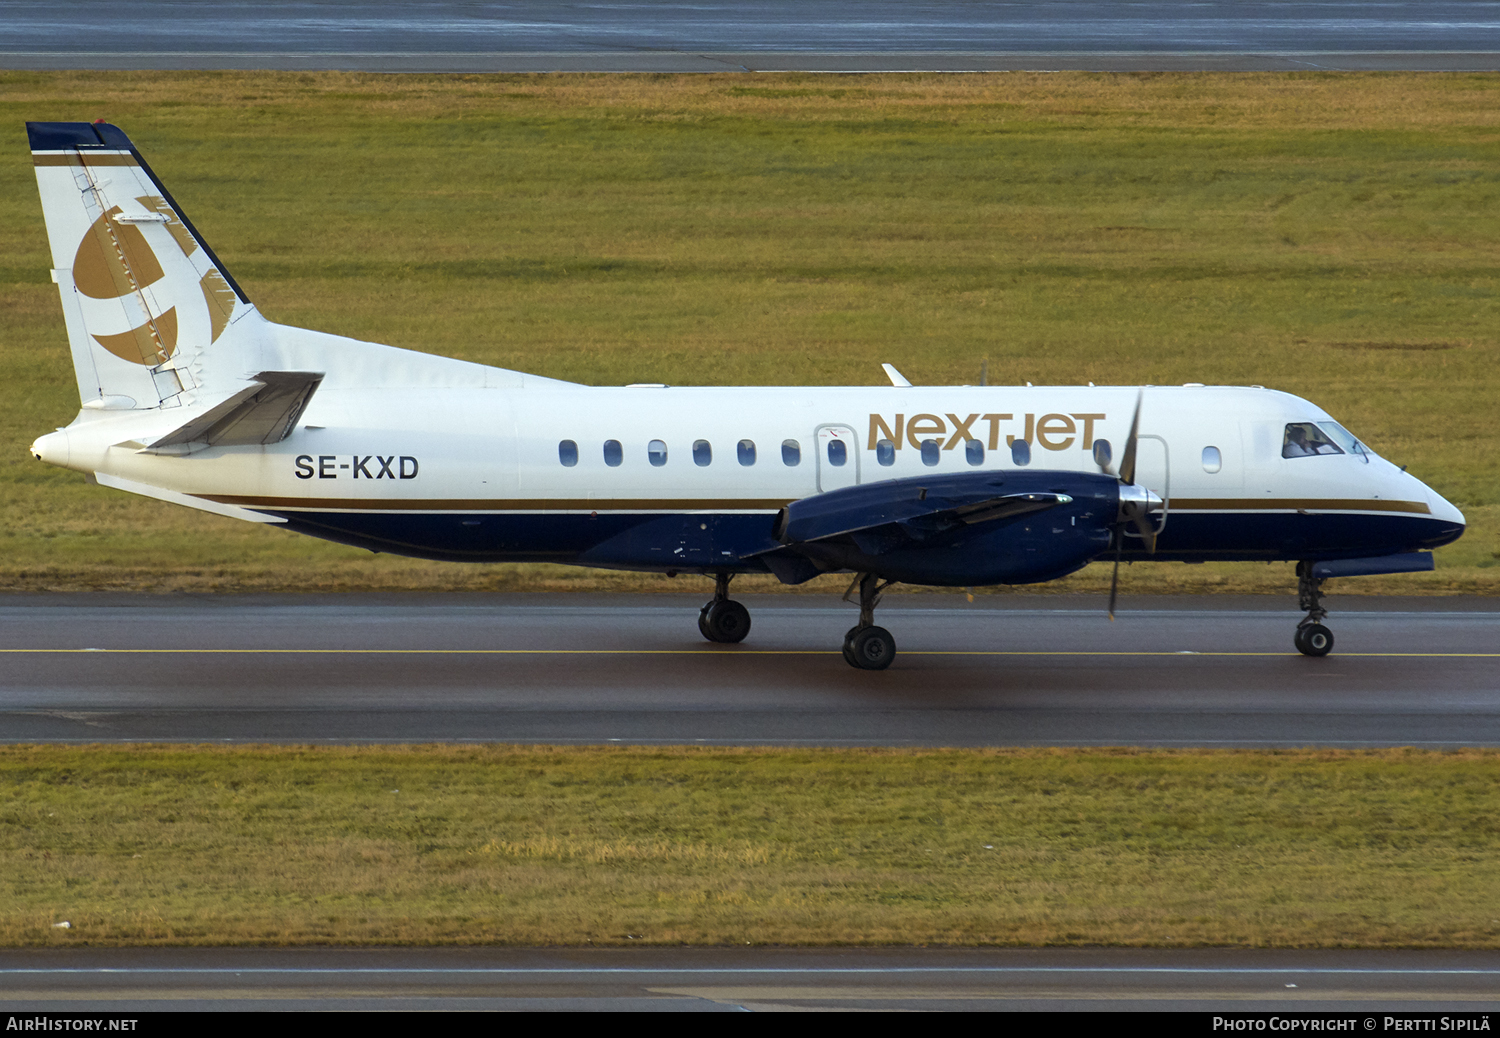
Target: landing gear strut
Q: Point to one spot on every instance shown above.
(866, 646)
(722, 620)
(1312, 638)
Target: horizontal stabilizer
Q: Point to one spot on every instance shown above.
(265, 411)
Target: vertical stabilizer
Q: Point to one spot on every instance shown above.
(146, 302)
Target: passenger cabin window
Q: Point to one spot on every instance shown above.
(703, 453)
(1213, 461)
(613, 453)
(974, 452)
(746, 451)
(1305, 439)
(791, 453)
(885, 452)
(567, 453)
(930, 452)
(1020, 453)
(838, 452)
(1103, 453)
(656, 453)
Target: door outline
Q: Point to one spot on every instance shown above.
(846, 433)
(1166, 478)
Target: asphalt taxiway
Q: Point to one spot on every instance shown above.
(1290, 983)
(571, 669)
(837, 62)
(479, 36)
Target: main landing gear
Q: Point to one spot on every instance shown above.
(866, 646)
(722, 620)
(1312, 638)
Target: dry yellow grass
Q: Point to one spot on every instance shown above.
(546, 845)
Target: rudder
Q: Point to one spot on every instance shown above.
(143, 296)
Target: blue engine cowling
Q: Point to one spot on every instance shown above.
(959, 530)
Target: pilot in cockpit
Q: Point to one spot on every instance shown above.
(1304, 439)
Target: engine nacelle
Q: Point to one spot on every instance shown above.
(958, 530)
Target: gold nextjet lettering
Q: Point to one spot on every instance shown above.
(1053, 432)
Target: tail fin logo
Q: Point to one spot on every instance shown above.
(114, 261)
(148, 344)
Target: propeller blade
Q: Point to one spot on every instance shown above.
(1114, 581)
(1127, 463)
(1137, 516)
(1147, 531)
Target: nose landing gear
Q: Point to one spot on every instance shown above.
(723, 620)
(1312, 638)
(866, 646)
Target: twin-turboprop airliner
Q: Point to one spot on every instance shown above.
(190, 395)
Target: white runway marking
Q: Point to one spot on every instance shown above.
(729, 651)
(776, 970)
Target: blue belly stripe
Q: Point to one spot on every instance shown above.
(653, 541)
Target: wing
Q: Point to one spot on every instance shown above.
(957, 530)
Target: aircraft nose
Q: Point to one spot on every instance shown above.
(1443, 509)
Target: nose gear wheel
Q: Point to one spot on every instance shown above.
(1312, 638)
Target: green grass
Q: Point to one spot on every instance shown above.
(1336, 236)
(470, 845)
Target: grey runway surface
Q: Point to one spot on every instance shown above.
(1005, 670)
(716, 35)
(753, 979)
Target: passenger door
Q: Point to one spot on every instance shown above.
(837, 457)
(1153, 470)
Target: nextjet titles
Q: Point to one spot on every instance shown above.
(1053, 432)
(357, 466)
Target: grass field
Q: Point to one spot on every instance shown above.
(1334, 235)
(141, 845)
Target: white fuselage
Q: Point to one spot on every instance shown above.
(546, 450)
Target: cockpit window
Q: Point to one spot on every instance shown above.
(1305, 439)
(1345, 439)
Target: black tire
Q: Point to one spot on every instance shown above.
(849, 647)
(873, 649)
(1314, 640)
(727, 622)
